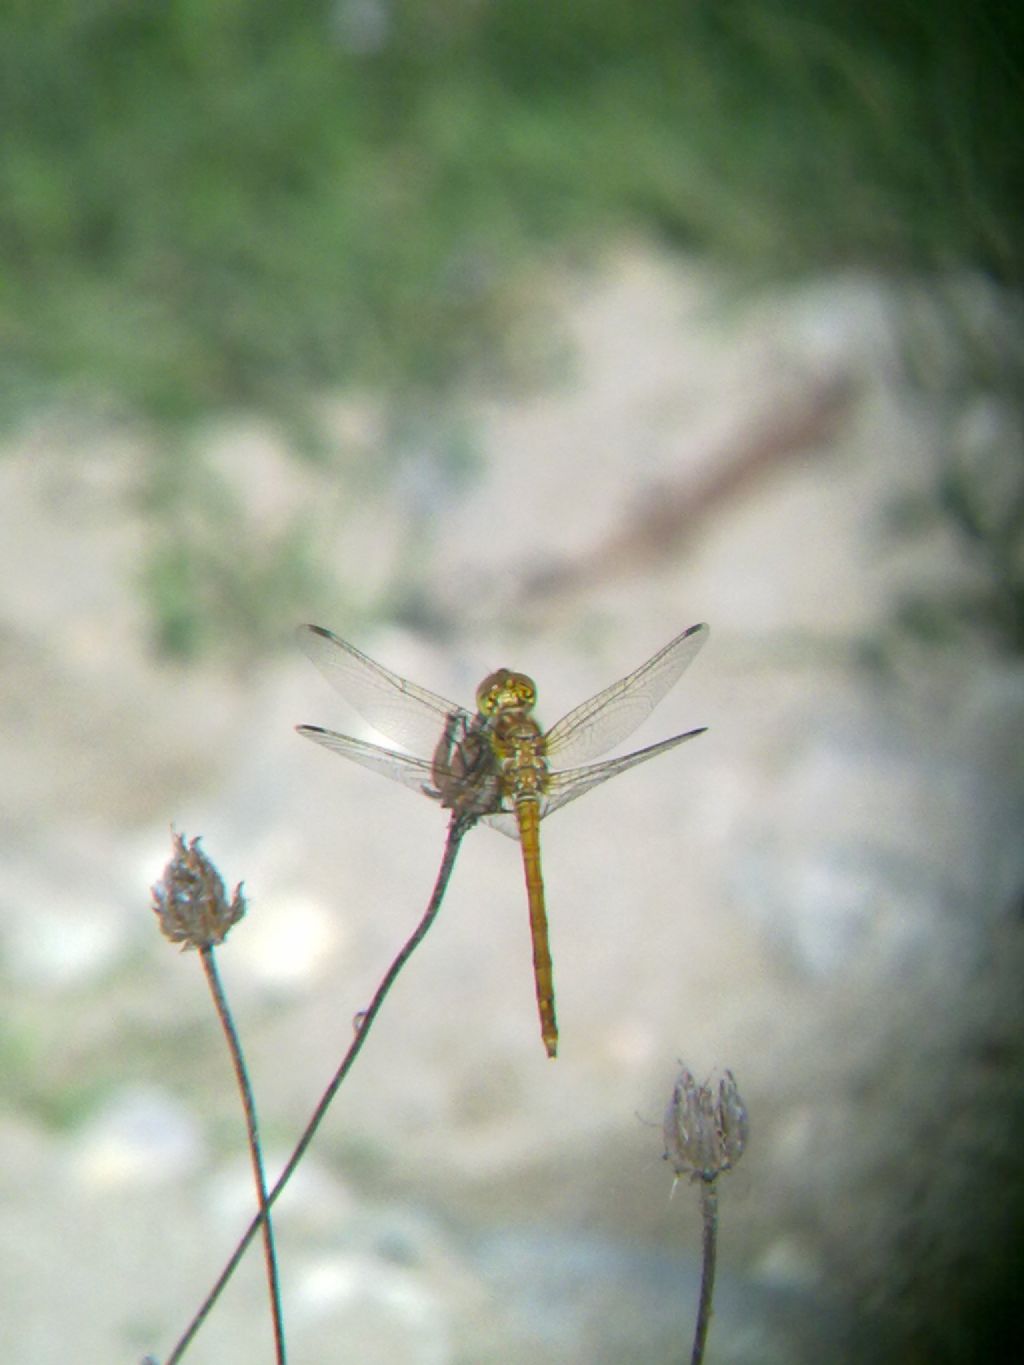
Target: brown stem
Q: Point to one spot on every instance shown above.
(255, 1150)
(709, 1214)
(457, 828)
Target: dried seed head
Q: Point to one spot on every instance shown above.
(705, 1135)
(190, 901)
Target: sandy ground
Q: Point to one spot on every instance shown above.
(821, 893)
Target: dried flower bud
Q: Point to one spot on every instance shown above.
(191, 902)
(705, 1136)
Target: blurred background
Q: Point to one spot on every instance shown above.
(494, 333)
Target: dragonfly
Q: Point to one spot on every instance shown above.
(496, 764)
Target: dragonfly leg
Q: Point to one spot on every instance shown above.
(465, 768)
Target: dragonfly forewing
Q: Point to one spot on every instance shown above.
(595, 726)
(401, 711)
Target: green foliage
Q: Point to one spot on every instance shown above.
(239, 204)
(965, 360)
(235, 202)
(211, 568)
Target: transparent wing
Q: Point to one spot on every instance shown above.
(414, 773)
(462, 776)
(405, 713)
(504, 821)
(607, 719)
(564, 787)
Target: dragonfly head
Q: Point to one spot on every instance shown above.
(504, 690)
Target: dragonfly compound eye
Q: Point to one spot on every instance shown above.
(521, 690)
(504, 689)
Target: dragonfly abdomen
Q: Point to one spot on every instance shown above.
(528, 818)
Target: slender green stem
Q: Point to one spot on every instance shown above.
(255, 1148)
(709, 1215)
(457, 828)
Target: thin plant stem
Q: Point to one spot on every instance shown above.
(458, 827)
(709, 1215)
(255, 1149)
(705, 1135)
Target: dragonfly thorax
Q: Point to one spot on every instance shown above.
(518, 745)
(505, 690)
